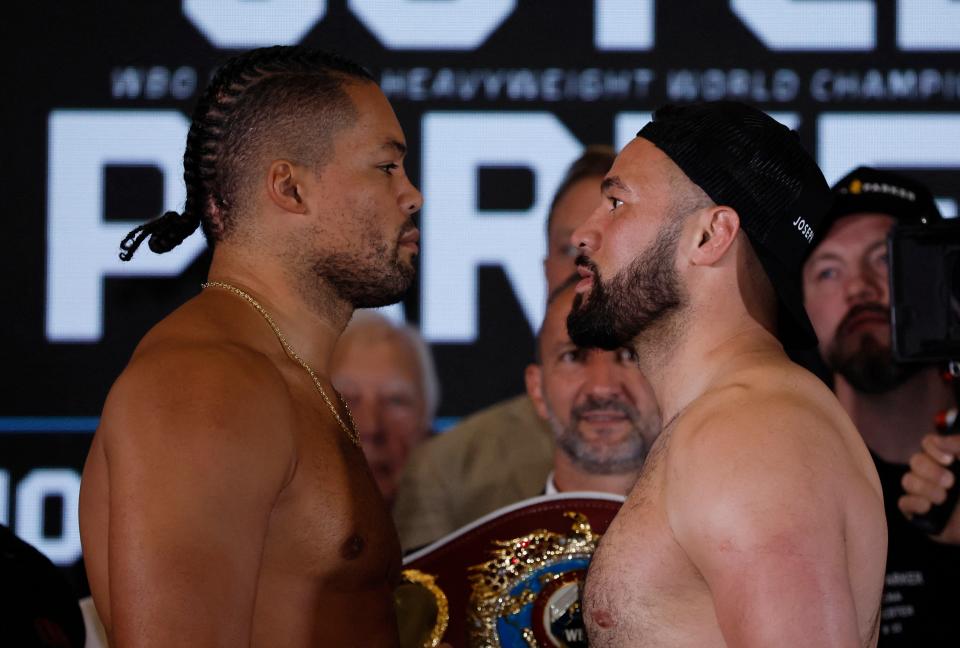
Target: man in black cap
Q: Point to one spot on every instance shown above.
(758, 519)
(893, 406)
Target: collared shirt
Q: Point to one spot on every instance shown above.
(551, 487)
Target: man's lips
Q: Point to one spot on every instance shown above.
(865, 319)
(586, 281)
(411, 238)
(603, 416)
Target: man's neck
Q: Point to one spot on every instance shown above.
(310, 330)
(569, 477)
(682, 366)
(893, 423)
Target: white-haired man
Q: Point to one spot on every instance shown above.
(386, 374)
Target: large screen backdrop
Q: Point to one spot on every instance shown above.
(496, 98)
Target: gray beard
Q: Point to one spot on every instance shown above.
(626, 457)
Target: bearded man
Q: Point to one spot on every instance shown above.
(600, 407)
(225, 498)
(846, 293)
(758, 518)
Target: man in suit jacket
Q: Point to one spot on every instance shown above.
(505, 452)
(499, 455)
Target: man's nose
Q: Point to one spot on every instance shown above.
(864, 286)
(367, 420)
(587, 238)
(411, 200)
(602, 377)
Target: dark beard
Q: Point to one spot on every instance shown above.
(376, 278)
(643, 293)
(869, 366)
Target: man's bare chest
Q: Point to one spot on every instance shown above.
(330, 523)
(641, 589)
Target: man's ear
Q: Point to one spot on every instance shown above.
(533, 377)
(285, 187)
(716, 230)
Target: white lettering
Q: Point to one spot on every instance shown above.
(918, 140)
(458, 238)
(35, 488)
(523, 84)
(126, 83)
(623, 25)
(912, 578)
(804, 229)
(932, 25)
(81, 247)
(884, 85)
(240, 24)
(573, 634)
(432, 24)
(810, 24)
(781, 85)
(156, 82)
(183, 83)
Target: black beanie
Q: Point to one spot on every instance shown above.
(743, 158)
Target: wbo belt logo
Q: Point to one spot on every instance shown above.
(528, 594)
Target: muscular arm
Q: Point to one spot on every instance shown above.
(752, 505)
(198, 448)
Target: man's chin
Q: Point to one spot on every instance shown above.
(406, 254)
(870, 367)
(379, 300)
(872, 333)
(864, 342)
(604, 432)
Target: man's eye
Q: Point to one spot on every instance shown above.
(388, 168)
(399, 401)
(826, 274)
(627, 356)
(614, 203)
(571, 356)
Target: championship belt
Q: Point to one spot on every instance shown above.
(512, 579)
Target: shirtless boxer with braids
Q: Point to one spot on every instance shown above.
(758, 518)
(225, 499)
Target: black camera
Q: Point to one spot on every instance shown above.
(925, 321)
(925, 292)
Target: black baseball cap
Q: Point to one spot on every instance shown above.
(866, 189)
(742, 157)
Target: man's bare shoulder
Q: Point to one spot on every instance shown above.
(772, 495)
(776, 423)
(186, 380)
(776, 403)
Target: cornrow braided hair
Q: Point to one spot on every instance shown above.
(227, 121)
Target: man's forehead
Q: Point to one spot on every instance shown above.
(375, 116)
(376, 343)
(640, 162)
(394, 145)
(573, 208)
(854, 232)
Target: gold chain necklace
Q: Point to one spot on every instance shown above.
(351, 430)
